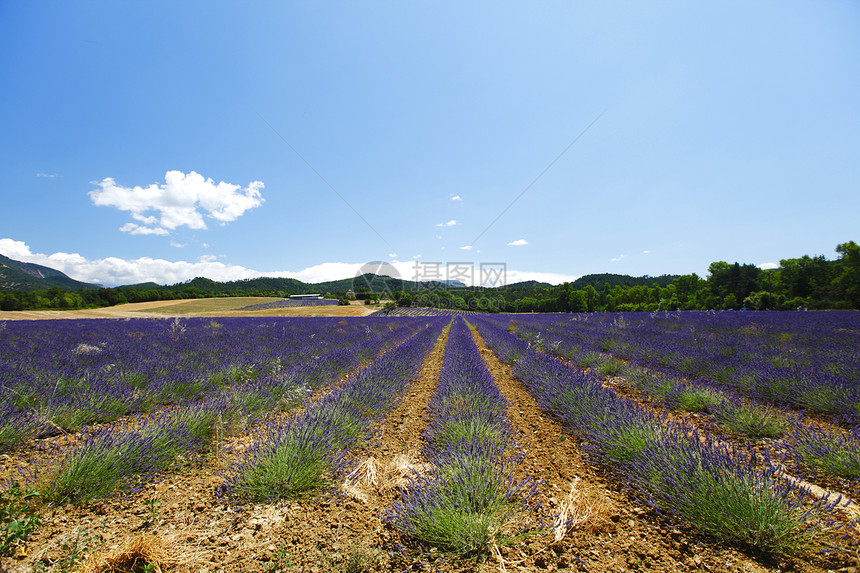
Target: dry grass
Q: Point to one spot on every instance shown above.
(207, 305)
(374, 475)
(211, 307)
(578, 507)
(133, 556)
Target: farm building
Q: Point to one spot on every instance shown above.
(306, 296)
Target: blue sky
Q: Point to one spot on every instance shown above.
(166, 140)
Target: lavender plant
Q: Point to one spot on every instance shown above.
(60, 376)
(98, 464)
(743, 417)
(693, 398)
(16, 426)
(290, 459)
(712, 487)
(469, 498)
(824, 449)
(465, 502)
(678, 470)
(803, 360)
(110, 458)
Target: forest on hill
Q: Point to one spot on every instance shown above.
(811, 282)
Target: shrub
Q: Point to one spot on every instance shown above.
(747, 419)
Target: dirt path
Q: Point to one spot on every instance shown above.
(345, 531)
(615, 532)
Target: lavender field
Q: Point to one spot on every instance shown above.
(383, 443)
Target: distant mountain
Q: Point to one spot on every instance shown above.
(381, 283)
(18, 276)
(371, 282)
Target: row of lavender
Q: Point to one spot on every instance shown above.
(812, 448)
(293, 457)
(727, 493)
(468, 498)
(109, 457)
(64, 375)
(808, 360)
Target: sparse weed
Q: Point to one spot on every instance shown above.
(281, 560)
(360, 560)
(153, 512)
(17, 518)
(75, 551)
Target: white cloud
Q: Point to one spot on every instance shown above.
(466, 248)
(768, 266)
(456, 198)
(48, 175)
(183, 200)
(17, 250)
(177, 245)
(646, 252)
(113, 271)
(392, 255)
(618, 258)
(518, 243)
(135, 229)
(450, 223)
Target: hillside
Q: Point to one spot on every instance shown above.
(288, 286)
(18, 276)
(599, 280)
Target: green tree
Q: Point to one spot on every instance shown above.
(592, 299)
(564, 291)
(804, 277)
(577, 301)
(764, 300)
(846, 286)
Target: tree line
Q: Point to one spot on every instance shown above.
(805, 282)
(799, 283)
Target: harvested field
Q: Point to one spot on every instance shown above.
(213, 307)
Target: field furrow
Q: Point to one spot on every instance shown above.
(346, 526)
(607, 528)
(180, 510)
(684, 475)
